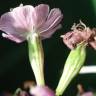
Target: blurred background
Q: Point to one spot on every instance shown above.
(14, 63)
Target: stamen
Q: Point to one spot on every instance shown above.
(21, 5)
(11, 9)
(73, 26)
(80, 27)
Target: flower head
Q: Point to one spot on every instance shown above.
(87, 94)
(42, 91)
(80, 33)
(22, 21)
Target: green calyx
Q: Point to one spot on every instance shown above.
(36, 57)
(72, 67)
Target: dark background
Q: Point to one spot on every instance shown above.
(14, 63)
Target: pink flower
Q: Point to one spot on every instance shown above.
(25, 20)
(42, 91)
(87, 94)
(80, 33)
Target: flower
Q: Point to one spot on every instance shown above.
(80, 33)
(87, 94)
(22, 21)
(42, 91)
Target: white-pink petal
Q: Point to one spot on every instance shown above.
(13, 38)
(49, 33)
(52, 21)
(42, 12)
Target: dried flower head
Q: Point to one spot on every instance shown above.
(22, 21)
(80, 33)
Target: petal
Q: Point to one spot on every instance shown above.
(18, 22)
(93, 44)
(6, 23)
(54, 11)
(42, 12)
(53, 20)
(13, 22)
(67, 39)
(13, 38)
(87, 94)
(49, 33)
(30, 16)
(19, 17)
(25, 15)
(22, 17)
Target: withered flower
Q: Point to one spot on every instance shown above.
(80, 33)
